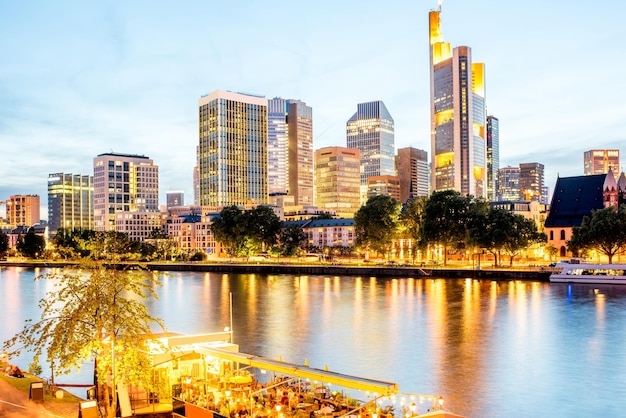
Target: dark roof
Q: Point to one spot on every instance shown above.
(574, 198)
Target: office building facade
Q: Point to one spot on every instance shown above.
(123, 183)
(412, 164)
(70, 202)
(290, 150)
(371, 130)
(531, 182)
(493, 155)
(338, 180)
(23, 210)
(458, 116)
(232, 149)
(599, 161)
(507, 184)
(175, 198)
(383, 185)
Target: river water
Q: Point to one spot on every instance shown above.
(491, 348)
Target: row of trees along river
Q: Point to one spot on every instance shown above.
(445, 219)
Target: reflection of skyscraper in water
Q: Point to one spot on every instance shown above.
(458, 138)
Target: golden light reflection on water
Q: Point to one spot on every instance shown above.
(476, 342)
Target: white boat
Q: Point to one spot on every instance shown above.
(589, 273)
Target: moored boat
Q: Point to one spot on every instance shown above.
(589, 273)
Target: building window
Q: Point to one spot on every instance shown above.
(551, 235)
(562, 234)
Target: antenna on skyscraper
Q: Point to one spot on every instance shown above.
(440, 1)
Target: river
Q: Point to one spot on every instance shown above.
(491, 348)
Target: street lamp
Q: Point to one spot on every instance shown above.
(412, 408)
(440, 402)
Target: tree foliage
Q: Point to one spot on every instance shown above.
(445, 219)
(244, 233)
(604, 231)
(376, 223)
(90, 311)
(4, 243)
(31, 245)
(411, 220)
(291, 238)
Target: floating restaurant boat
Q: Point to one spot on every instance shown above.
(589, 273)
(206, 376)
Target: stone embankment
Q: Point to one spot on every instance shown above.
(527, 273)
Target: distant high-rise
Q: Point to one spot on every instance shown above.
(599, 161)
(383, 185)
(70, 202)
(371, 131)
(232, 150)
(493, 155)
(196, 181)
(175, 198)
(458, 144)
(413, 172)
(290, 149)
(23, 210)
(337, 180)
(123, 183)
(507, 184)
(531, 182)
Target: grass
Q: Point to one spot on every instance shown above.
(23, 384)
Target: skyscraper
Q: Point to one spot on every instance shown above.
(507, 184)
(598, 161)
(493, 155)
(290, 149)
(413, 172)
(337, 180)
(70, 201)
(371, 131)
(232, 152)
(123, 183)
(457, 91)
(531, 182)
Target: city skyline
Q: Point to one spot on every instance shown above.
(79, 80)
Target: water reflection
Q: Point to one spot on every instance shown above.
(491, 348)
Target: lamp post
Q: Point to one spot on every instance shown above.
(412, 408)
(440, 402)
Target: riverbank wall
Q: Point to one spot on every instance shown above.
(535, 274)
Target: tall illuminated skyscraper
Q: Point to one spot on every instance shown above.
(531, 182)
(371, 131)
(290, 149)
(123, 183)
(232, 152)
(457, 91)
(493, 155)
(70, 201)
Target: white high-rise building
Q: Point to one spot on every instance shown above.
(123, 183)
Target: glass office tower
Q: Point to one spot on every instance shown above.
(458, 141)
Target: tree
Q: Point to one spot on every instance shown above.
(491, 231)
(604, 231)
(521, 236)
(290, 239)
(4, 243)
(411, 220)
(31, 245)
(228, 228)
(262, 225)
(376, 222)
(95, 312)
(445, 219)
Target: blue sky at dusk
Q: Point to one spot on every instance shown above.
(78, 79)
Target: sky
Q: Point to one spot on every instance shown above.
(82, 78)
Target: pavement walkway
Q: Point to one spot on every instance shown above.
(15, 404)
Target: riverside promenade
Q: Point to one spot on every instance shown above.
(535, 273)
(15, 403)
